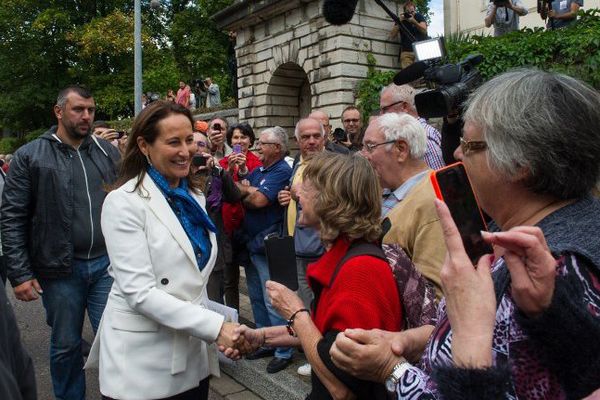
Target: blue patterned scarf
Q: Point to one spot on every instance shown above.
(191, 216)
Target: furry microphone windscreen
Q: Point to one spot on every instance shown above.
(339, 12)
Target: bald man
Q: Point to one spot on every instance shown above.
(323, 118)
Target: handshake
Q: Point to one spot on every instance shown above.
(236, 340)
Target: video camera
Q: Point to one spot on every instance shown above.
(452, 82)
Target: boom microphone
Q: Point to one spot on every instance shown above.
(339, 12)
(410, 73)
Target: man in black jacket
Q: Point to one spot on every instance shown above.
(51, 236)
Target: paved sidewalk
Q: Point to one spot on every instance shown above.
(252, 375)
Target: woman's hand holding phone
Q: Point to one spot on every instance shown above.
(470, 298)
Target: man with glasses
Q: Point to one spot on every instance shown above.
(395, 144)
(352, 123)
(401, 99)
(264, 215)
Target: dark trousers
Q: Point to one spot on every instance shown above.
(197, 393)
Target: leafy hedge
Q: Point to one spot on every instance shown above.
(574, 50)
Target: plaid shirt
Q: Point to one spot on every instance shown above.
(433, 156)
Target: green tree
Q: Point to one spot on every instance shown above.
(48, 44)
(199, 47)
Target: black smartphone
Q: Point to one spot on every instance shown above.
(120, 134)
(451, 185)
(198, 161)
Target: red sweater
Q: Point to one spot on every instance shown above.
(233, 214)
(363, 295)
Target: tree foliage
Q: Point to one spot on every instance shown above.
(574, 50)
(367, 90)
(48, 44)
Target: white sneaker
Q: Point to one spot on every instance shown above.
(304, 370)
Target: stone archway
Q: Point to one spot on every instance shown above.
(288, 96)
(291, 61)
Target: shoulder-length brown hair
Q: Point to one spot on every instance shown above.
(348, 199)
(145, 125)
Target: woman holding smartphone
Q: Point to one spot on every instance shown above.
(524, 322)
(240, 137)
(156, 339)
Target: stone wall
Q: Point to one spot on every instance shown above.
(291, 61)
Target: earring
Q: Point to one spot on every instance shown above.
(148, 159)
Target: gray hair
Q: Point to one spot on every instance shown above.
(404, 127)
(61, 99)
(280, 135)
(542, 122)
(297, 131)
(401, 93)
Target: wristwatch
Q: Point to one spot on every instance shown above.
(399, 370)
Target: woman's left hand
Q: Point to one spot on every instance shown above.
(285, 301)
(470, 298)
(532, 267)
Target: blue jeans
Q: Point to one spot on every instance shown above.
(257, 274)
(65, 301)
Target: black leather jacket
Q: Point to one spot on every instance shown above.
(37, 206)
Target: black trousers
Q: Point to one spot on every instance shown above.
(197, 393)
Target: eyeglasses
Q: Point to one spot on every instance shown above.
(202, 144)
(385, 109)
(471, 146)
(370, 147)
(259, 143)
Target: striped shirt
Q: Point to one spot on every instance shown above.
(433, 156)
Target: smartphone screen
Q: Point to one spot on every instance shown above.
(237, 148)
(451, 185)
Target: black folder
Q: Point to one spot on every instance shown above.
(281, 257)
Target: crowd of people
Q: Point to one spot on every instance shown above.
(203, 94)
(142, 230)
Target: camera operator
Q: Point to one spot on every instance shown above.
(504, 15)
(562, 13)
(413, 28)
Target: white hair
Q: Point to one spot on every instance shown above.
(404, 93)
(278, 134)
(404, 127)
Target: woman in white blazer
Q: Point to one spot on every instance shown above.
(157, 339)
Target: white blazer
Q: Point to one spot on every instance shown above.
(156, 338)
